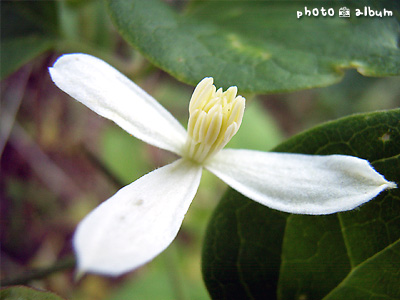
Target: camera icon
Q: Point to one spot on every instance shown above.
(344, 12)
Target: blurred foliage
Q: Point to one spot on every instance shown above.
(22, 293)
(60, 160)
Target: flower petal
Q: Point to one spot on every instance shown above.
(138, 222)
(106, 91)
(299, 183)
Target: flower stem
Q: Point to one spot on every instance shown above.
(63, 264)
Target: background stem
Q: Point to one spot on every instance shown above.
(61, 265)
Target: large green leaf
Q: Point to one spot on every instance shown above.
(259, 253)
(260, 46)
(26, 293)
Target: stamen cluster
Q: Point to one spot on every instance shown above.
(214, 118)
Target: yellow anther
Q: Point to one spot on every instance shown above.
(214, 118)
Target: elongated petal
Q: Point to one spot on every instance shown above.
(298, 183)
(106, 91)
(138, 222)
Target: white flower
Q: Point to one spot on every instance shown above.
(143, 218)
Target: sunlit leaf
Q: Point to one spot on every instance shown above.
(250, 135)
(123, 155)
(260, 46)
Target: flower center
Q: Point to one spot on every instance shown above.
(214, 118)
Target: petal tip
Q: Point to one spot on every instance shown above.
(391, 185)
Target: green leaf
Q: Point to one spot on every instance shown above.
(22, 18)
(28, 28)
(26, 293)
(17, 52)
(242, 248)
(376, 278)
(313, 255)
(260, 46)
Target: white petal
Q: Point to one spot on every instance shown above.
(138, 222)
(298, 183)
(112, 95)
